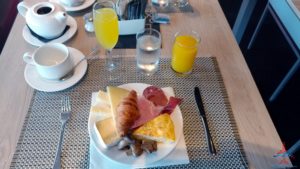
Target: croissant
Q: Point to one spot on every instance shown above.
(127, 112)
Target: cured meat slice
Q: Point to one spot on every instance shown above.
(147, 111)
(173, 102)
(155, 95)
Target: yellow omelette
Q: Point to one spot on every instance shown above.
(160, 129)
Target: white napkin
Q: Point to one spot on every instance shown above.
(177, 156)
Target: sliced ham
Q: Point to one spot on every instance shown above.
(155, 95)
(149, 111)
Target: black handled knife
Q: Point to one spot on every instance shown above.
(209, 140)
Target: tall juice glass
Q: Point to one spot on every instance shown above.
(184, 51)
(106, 28)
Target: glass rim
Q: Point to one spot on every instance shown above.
(148, 29)
(110, 2)
(193, 34)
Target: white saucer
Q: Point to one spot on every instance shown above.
(66, 36)
(86, 4)
(37, 82)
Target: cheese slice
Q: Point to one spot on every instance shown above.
(102, 97)
(160, 129)
(107, 132)
(115, 95)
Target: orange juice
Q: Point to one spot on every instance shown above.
(106, 27)
(184, 53)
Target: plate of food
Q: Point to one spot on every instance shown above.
(135, 124)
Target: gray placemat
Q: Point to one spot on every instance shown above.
(39, 137)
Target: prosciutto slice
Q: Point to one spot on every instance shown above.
(149, 111)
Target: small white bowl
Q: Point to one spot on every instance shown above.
(129, 27)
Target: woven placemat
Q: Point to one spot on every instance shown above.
(39, 137)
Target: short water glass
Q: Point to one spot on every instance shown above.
(148, 51)
(182, 3)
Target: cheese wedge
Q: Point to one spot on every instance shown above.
(160, 129)
(115, 95)
(105, 128)
(107, 132)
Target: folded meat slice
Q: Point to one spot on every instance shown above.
(173, 102)
(149, 111)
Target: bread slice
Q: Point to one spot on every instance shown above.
(102, 110)
(101, 107)
(160, 129)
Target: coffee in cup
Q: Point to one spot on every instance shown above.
(52, 61)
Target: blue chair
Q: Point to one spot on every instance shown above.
(242, 19)
(289, 24)
(291, 151)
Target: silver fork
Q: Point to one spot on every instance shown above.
(65, 115)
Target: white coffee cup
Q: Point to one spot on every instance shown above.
(52, 60)
(72, 3)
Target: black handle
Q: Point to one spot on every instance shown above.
(209, 141)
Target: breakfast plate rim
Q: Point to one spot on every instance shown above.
(137, 163)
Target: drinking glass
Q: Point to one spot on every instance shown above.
(184, 51)
(179, 3)
(106, 28)
(148, 51)
(176, 3)
(161, 3)
(182, 3)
